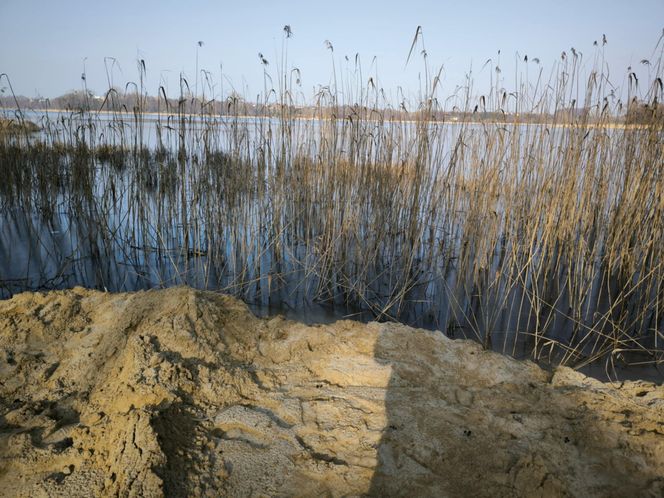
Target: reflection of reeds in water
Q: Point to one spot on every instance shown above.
(548, 235)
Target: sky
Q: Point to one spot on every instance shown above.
(45, 46)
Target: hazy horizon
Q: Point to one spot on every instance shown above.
(45, 48)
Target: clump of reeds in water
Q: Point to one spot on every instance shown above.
(12, 126)
(527, 220)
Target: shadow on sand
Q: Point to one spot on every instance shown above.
(465, 422)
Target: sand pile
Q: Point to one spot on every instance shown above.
(185, 393)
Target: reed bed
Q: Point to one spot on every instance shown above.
(542, 238)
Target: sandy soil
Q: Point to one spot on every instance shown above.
(185, 393)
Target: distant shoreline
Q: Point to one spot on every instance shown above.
(609, 125)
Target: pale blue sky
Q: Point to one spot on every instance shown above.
(43, 44)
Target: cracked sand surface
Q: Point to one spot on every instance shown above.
(185, 393)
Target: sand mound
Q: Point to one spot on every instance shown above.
(186, 393)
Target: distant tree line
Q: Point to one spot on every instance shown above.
(115, 100)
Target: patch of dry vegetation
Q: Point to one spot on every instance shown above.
(12, 126)
(545, 235)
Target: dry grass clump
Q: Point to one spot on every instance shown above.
(13, 126)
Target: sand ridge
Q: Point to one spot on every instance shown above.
(185, 393)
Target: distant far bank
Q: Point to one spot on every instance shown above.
(636, 114)
(461, 119)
